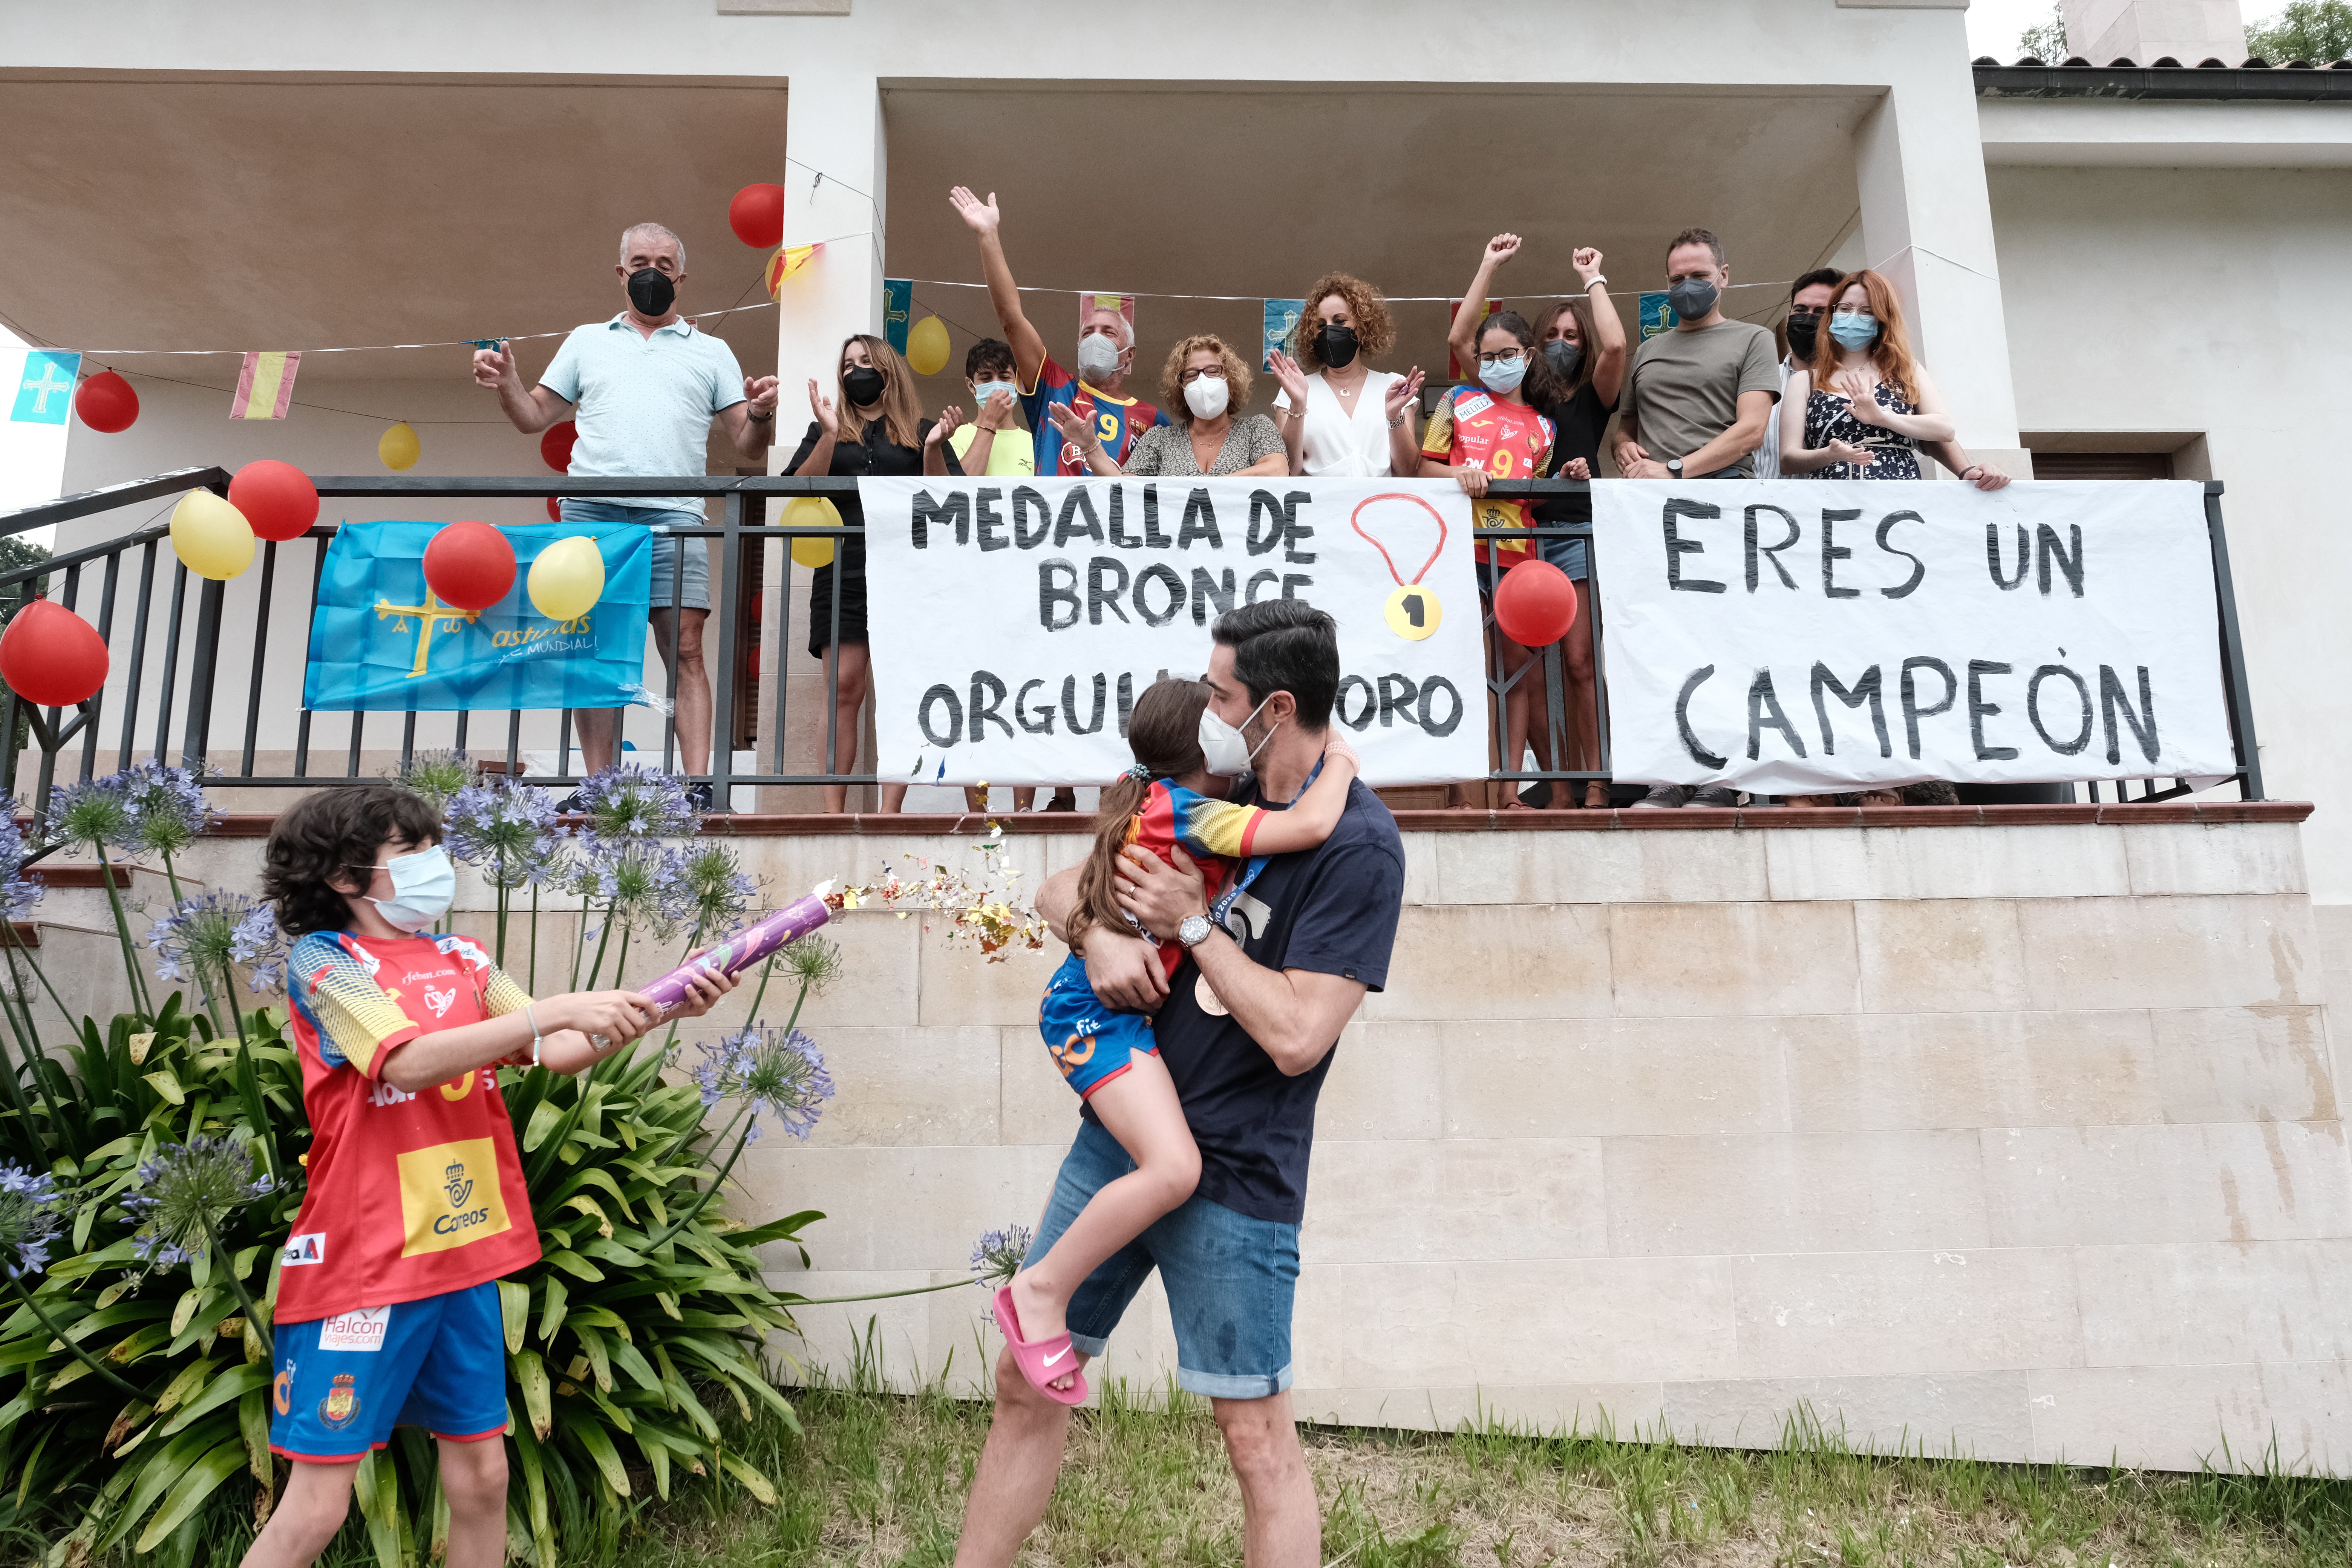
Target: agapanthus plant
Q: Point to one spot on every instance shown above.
(214, 932)
(1000, 1254)
(19, 890)
(631, 803)
(92, 816)
(637, 884)
(718, 887)
(778, 1073)
(167, 809)
(30, 1215)
(437, 775)
(511, 832)
(183, 1199)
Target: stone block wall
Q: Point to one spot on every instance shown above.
(2021, 1139)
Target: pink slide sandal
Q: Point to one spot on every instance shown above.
(1041, 1361)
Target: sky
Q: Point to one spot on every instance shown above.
(1993, 25)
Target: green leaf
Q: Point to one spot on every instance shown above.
(551, 1317)
(514, 1310)
(180, 1387)
(530, 1372)
(166, 1083)
(542, 1123)
(579, 1267)
(235, 1382)
(198, 1483)
(599, 1447)
(253, 1423)
(755, 1483)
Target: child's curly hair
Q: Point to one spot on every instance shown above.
(336, 832)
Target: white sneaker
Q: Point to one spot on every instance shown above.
(1664, 795)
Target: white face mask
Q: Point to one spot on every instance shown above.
(1098, 355)
(423, 884)
(1205, 396)
(1223, 748)
(981, 391)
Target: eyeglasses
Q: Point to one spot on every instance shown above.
(1213, 372)
(1507, 356)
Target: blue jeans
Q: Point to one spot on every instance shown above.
(694, 589)
(1230, 1278)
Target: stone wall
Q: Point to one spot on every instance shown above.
(2021, 1139)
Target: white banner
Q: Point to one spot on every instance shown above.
(1801, 636)
(1012, 625)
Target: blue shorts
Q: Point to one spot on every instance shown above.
(1230, 1278)
(1091, 1044)
(344, 1383)
(694, 586)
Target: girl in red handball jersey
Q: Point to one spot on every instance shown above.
(388, 1308)
(1169, 798)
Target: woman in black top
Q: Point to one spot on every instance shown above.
(876, 427)
(1585, 342)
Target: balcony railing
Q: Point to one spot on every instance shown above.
(177, 678)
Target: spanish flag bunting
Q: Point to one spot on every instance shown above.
(787, 262)
(265, 388)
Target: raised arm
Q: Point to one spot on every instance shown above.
(1462, 337)
(1311, 818)
(1608, 347)
(983, 219)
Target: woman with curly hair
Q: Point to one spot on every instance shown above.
(1338, 416)
(1868, 405)
(1203, 382)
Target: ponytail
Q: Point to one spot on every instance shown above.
(1163, 733)
(1114, 830)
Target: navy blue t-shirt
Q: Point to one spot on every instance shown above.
(1331, 909)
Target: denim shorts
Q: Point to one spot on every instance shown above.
(1568, 554)
(1230, 1278)
(694, 590)
(1090, 1043)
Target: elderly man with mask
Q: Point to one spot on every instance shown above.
(647, 384)
(1105, 358)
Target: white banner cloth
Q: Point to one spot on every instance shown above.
(1804, 635)
(1012, 625)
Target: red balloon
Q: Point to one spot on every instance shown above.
(51, 657)
(470, 565)
(278, 498)
(1536, 603)
(555, 510)
(106, 403)
(757, 216)
(555, 446)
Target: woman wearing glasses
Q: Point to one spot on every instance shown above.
(1868, 406)
(1203, 382)
(1492, 431)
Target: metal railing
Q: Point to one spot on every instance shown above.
(185, 687)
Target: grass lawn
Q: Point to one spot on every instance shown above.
(877, 1478)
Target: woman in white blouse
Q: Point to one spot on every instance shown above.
(1337, 414)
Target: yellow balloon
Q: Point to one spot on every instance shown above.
(211, 536)
(398, 447)
(927, 346)
(811, 511)
(567, 579)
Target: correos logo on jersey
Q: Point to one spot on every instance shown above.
(450, 1196)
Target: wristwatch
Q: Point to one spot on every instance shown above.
(1192, 931)
(1675, 467)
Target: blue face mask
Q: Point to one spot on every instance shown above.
(423, 884)
(1503, 374)
(1855, 329)
(981, 391)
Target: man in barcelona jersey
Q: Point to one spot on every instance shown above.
(387, 1300)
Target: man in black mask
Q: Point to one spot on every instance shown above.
(647, 384)
(1809, 306)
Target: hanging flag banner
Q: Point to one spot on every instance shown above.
(1805, 636)
(897, 309)
(265, 388)
(1656, 315)
(38, 394)
(380, 640)
(787, 262)
(1281, 316)
(1012, 627)
(1122, 304)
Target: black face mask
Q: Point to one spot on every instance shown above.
(863, 386)
(1336, 346)
(651, 291)
(1563, 355)
(1692, 298)
(1804, 331)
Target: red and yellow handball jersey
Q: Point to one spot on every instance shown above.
(410, 1194)
(1214, 832)
(1473, 428)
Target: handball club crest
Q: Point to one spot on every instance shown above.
(341, 1404)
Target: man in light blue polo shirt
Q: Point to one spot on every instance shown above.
(647, 385)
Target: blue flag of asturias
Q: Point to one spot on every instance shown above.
(380, 640)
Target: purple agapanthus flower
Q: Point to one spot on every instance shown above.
(780, 1073)
(19, 888)
(30, 1215)
(187, 1194)
(717, 885)
(634, 802)
(90, 815)
(510, 830)
(167, 807)
(641, 881)
(206, 934)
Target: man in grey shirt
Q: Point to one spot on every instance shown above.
(1696, 403)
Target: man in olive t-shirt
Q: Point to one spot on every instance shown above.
(1696, 403)
(1698, 398)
